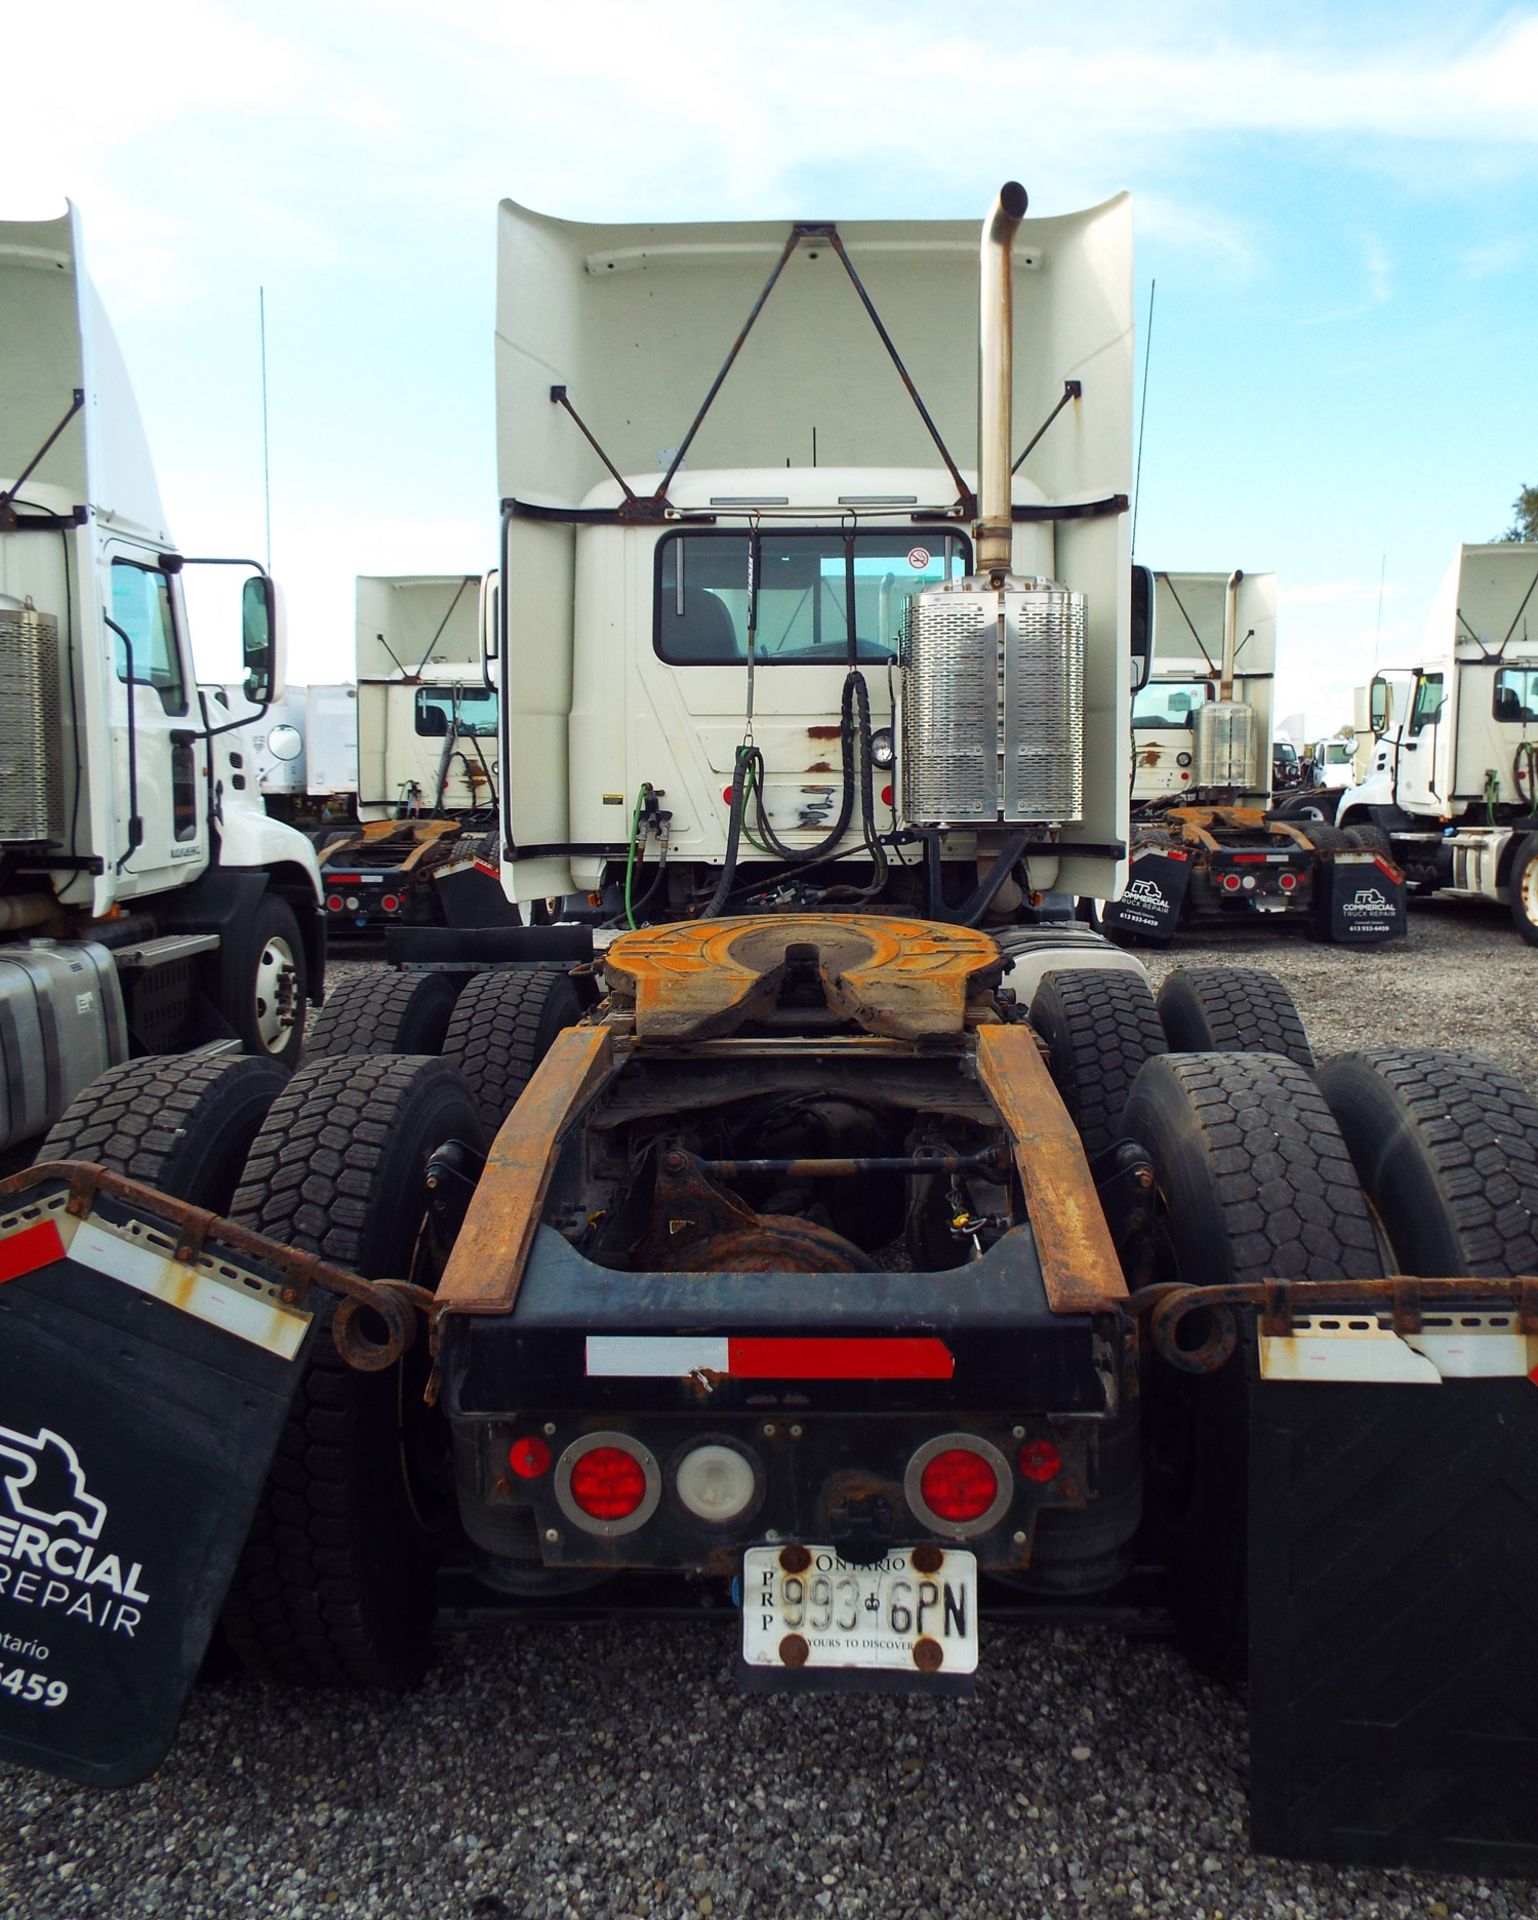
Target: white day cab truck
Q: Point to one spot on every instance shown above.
(1208, 852)
(149, 904)
(831, 1239)
(423, 846)
(1451, 790)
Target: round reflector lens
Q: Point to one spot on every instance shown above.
(1231, 882)
(886, 796)
(726, 795)
(715, 1483)
(1287, 882)
(1040, 1461)
(529, 1457)
(959, 1485)
(608, 1484)
(389, 903)
(333, 903)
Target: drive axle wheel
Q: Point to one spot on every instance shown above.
(1232, 1010)
(180, 1125)
(336, 1582)
(502, 1027)
(1253, 1182)
(1100, 1024)
(1446, 1147)
(384, 1013)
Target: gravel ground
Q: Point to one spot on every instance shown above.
(612, 1769)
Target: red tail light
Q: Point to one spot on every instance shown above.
(959, 1485)
(333, 903)
(608, 1483)
(388, 903)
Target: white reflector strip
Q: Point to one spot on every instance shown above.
(614, 1356)
(247, 1315)
(1449, 1347)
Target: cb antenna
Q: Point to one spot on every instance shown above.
(1142, 413)
(261, 320)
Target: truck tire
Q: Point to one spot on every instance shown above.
(1232, 1010)
(1446, 1147)
(1253, 1182)
(384, 1013)
(181, 1125)
(1323, 837)
(1370, 839)
(264, 982)
(501, 1029)
(1522, 878)
(335, 1586)
(1100, 1025)
(1302, 808)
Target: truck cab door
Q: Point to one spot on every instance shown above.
(1419, 791)
(160, 759)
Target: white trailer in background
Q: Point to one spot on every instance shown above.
(1452, 785)
(158, 907)
(304, 753)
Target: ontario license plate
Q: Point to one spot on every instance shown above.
(808, 1607)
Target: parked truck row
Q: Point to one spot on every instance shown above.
(1207, 849)
(836, 1239)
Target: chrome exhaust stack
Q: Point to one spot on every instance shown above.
(993, 683)
(996, 333)
(1225, 728)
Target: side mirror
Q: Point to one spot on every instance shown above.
(490, 614)
(1142, 626)
(1378, 706)
(261, 640)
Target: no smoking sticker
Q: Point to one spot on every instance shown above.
(918, 558)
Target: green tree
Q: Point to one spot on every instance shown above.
(1525, 525)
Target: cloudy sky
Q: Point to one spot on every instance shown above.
(1338, 209)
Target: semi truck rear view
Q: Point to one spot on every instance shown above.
(829, 1234)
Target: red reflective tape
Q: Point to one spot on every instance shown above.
(30, 1249)
(1174, 853)
(815, 1359)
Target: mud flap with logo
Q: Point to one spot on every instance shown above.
(141, 1399)
(1150, 907)
(1393, 1621)
(1359, 899)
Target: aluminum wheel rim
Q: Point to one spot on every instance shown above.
(276, 975)
(1527, 889)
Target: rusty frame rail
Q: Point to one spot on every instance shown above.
(1279, 1303)
(199, 1232)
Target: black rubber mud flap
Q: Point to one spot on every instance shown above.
(1359, 899)
(140, 1405)
(1393, 1618)
(1150, 908)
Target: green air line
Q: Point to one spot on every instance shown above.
(750, 788)
(635, 829)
